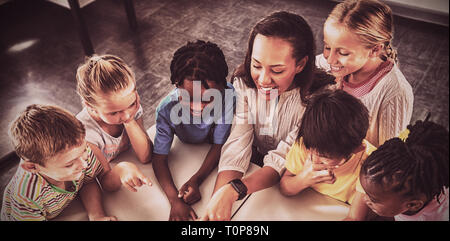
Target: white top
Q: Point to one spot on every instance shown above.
(434, 211)
(390, 104)
(109, 145)
(272, 133)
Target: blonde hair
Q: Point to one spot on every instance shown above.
(102, 74)
(41, 132)
(371, 20)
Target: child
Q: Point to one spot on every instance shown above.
(112, 112)
(56, 164)
(358, 52)
(196, 68)
(407, 177)
(330, 147)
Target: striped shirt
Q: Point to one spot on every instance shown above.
(29, 196)
(361, 89)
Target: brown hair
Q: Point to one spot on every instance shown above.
(334, 123)
(41, 132)
(102, 74)
(294, 29)
(371, 20)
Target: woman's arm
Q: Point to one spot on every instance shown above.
(219, 207)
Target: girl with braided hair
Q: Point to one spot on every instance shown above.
(358, 51)
(197, 69)
(408, 177)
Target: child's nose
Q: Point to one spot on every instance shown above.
(197, 106)
(331, 59)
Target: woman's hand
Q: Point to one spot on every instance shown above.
(219, 207)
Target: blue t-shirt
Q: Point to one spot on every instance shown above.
(210, 129)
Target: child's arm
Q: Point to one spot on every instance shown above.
(125, 173)
(358, 210)
(291, 184)
(179, 209)
(91, 198)
(141, 143)
(311, 174)
(189, 191)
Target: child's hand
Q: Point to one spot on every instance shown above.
(131, 177)
(135, 109)
(180, 211)
(314, 173)
(190, 192)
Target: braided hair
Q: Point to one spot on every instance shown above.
(417, 166)
(199, 60)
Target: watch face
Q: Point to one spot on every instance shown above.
(240, 188)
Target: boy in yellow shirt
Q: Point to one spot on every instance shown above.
(330, 147)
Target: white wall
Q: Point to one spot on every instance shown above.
(440, 6)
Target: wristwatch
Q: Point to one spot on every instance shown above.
(240, 188)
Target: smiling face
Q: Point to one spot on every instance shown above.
(196, 107)
(344, 52)
(272, 66)
(67, 165)
(117, 107)
(387, 203)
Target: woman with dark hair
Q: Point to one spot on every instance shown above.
(272, 86)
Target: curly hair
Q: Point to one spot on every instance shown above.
(199, 60)
(418, 165)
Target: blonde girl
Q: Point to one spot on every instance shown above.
(112, 115)
(358, 52)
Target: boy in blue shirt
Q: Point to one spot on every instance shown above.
(199, 110)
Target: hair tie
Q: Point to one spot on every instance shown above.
(96, 58)
(404, 135)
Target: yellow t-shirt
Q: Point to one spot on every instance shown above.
(347, 175)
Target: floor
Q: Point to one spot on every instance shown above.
(40, 50)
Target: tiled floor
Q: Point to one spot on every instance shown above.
(44, 72)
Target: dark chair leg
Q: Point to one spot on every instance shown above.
(131, 15)
(81, 26)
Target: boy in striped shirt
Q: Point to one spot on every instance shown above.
(56, 164)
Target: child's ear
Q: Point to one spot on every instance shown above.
(301, 65)
(415, 205)
(30, 166)
(376, 51)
